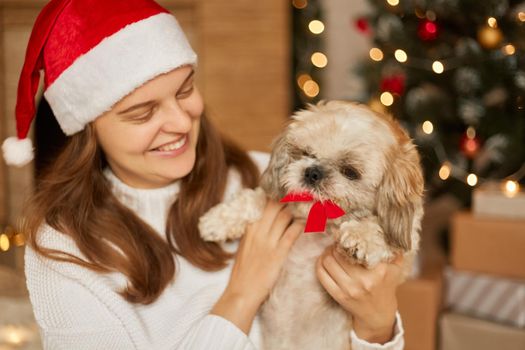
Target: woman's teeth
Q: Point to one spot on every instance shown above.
(173, 146)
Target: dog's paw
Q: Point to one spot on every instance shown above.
(351, 245)
(228, 220)
(363, 242)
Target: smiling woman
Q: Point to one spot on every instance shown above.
(114, 257)
(163, 119)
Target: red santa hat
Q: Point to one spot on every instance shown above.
(93, 53)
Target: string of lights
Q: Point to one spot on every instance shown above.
(491, 38)
(309, 59)
(10, 238)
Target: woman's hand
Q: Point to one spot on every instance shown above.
(369, 295)
(261, 255)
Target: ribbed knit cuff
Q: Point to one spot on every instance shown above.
(397, 342)
(215, 332)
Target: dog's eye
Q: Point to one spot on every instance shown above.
(305, 153)
(351, 173)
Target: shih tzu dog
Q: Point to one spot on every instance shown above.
(345, 166)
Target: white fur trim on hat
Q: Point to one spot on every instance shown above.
(115, 67)
(17, 152)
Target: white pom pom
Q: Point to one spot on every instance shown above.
(17, 152)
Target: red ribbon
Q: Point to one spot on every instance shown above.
(319, 212)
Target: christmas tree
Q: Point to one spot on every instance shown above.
(308, 59)
(453, 72)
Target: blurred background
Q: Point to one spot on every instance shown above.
(452, 72)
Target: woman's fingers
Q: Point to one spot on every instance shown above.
(350, 268)
(282, 220)
(291, 234)
(368, 278)
(328, 282)
(269, 215)
(347, 282)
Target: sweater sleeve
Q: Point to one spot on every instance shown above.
(74, 310)
(215, 332)
(397, 342)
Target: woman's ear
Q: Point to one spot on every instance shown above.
(400, 195)
(280, 158)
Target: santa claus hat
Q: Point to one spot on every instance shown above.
(93, 53)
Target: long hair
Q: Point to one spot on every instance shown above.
(74, 197)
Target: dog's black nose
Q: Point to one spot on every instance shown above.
(313, 174)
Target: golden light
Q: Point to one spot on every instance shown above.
(511, 188)
(427, 127)
(492, 22)
(299, 4)
(4, 242)
(316, 27)
(521, 16)
(387, 98)
(471, 132)
(19, 239)
(509, 49)
(319, 60)
(472, 180)
(444, 171)
(419, 13)
(14, 335)
(376, 54)
(438, 67)
(431, 16)
(393, 2)
(311, 88)
(401, 55)
(302, 79)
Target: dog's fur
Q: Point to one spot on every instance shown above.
(371, 169)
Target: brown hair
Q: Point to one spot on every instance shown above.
(74, 197)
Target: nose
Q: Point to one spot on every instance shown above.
(176, 119)
(313, 174)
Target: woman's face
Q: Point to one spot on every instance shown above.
(150, 136)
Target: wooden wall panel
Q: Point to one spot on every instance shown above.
(17, 23)
(3, 167)
(245, 55)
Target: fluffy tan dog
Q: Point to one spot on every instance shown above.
(367, 165)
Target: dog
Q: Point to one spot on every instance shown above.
(366, 166)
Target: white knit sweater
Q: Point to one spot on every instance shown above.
(78, 309)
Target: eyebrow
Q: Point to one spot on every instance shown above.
(149, 103)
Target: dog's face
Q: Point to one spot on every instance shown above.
(349, 154)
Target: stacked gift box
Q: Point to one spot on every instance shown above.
(484, 293)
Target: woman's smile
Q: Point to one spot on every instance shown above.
(173, 145)
(173, 148)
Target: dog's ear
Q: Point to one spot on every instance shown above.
(280, 158)
(400, 194)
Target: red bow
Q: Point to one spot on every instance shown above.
(319, 212)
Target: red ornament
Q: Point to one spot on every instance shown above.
(394, 84)
(470, 146)
(427, 30)
(362, 25)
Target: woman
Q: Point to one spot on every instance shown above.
(114, 259)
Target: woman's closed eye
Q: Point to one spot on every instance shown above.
(186, 92)
(142, 117)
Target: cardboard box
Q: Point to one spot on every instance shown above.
(458, 332)
(500, 300)
(488, 245)
(420, 302)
